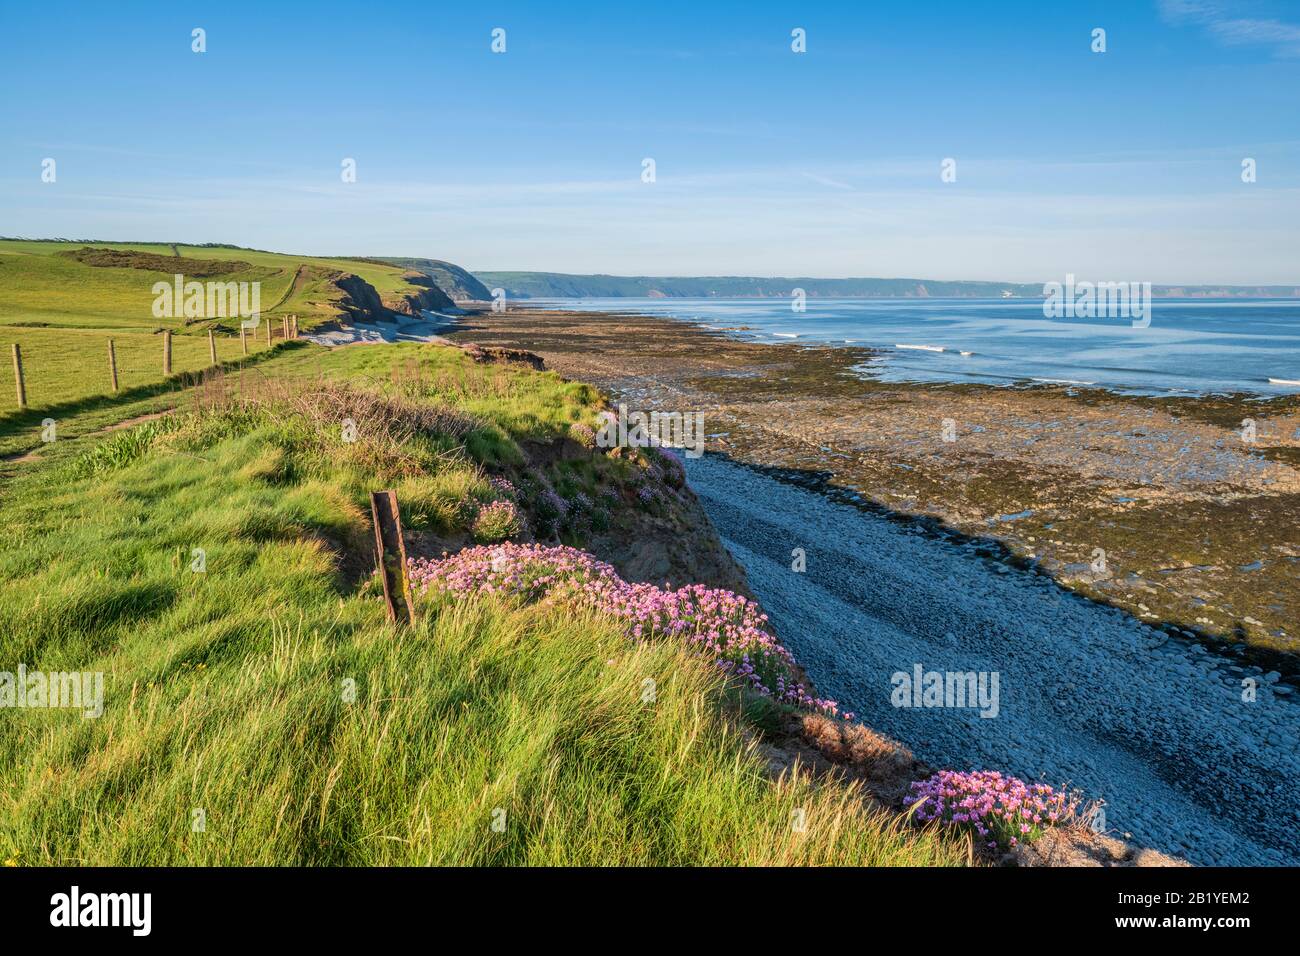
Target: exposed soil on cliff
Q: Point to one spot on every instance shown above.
(425, 295)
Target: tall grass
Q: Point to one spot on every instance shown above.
(268, 698)
(488, 735)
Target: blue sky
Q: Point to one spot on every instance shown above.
(1117, 165)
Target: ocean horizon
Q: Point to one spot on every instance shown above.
(1193, 347)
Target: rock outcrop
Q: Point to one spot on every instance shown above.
(425, 294)
(487, 354)
(359, 302)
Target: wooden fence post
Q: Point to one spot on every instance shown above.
(212, 346)
(167, 353)
(390, 556)
(18, 377)
(268, 333)
(243, 338)
(112, 365)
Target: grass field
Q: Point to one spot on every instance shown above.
(64, 365)
(42, 286)
(268, 697)
(61, 310)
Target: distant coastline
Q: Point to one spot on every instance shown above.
(542, 285)
(1010, 342)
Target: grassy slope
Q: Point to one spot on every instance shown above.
(43, 287)
(224, 689)
(86, 305)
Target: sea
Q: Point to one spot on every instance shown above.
(1191, 346)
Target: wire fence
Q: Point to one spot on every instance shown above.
(51, 366)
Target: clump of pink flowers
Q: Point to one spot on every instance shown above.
(583, 434)
(503, 487)
(726, 627)
(496, 520)
(1002, 812)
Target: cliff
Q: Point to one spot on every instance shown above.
(456, 282)
(424, 294)
(359, 301)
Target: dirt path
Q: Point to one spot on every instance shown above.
(33, 454)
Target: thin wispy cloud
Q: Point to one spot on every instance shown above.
(827, 181)
(1224, 23)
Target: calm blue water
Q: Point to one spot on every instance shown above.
(1190, 346)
